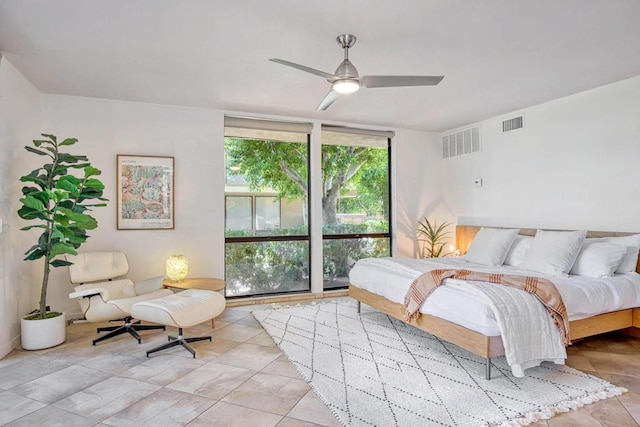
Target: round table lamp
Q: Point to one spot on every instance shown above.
(177, 268)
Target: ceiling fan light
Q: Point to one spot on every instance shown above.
(346, 86)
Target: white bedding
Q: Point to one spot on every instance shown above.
(583, 296)
(529, 334)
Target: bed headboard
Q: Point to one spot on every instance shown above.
(466, 233)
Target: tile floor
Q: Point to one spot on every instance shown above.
(240, 379)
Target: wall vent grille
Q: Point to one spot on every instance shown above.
(513, 124)
(461, 142)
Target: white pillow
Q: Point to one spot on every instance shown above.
(515, 256)
(598, 259)
(628, 263)
(490, 246)
(554, 252)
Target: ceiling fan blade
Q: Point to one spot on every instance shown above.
(322, 74)
(395, 81)
(327, 101)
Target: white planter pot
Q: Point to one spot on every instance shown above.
(45, 333)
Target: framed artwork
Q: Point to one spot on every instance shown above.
(146, 193)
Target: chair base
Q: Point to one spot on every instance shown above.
(179, 340)
(128, 327)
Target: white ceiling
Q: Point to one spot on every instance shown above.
(497, 56)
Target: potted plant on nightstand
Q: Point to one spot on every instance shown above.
(57, 200)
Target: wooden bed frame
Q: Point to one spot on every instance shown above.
(487, 346)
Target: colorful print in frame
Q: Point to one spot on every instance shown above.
(145, 187)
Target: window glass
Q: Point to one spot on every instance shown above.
(259, 268)
(267, 213)
(355, 202)
(238, 213)
(339, 255)
(267, 224)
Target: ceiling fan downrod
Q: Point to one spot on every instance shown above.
(346, 70)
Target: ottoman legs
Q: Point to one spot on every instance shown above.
(179, 340)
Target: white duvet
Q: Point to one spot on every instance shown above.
(498, 310)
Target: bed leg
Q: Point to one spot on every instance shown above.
(488, 369)
(359, 307)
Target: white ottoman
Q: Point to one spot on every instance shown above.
(183, 309)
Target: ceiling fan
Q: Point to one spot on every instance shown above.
(346, 79)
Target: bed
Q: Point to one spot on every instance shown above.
(594, 305)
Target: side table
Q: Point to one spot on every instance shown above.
(207, 284)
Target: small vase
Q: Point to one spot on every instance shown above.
(43, 333)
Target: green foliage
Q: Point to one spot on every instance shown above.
(266, 267)
(57, 201)
(339, 255)
(283, 266)
(433, 237)
(343, 165)
(47, 315)
(370, 226)
(282, 166)
(370, 184)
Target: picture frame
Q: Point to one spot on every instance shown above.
(146, 192)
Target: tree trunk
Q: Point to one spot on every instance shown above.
(330, 209)
(43, 291)
(305, 211)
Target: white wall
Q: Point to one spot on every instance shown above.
(418, 190)
(19, 124)
(105, 128)
(573, 166)
(194, 137)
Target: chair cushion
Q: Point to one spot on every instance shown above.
(96, 266)
(125, 304)
(149, 285)
(184, 309)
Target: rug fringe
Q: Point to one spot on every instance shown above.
(561, 407)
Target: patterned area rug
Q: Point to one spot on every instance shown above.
(373, 370)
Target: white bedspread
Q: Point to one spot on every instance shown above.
(529, 335)
(493, 312)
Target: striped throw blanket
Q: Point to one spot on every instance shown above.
(544, 290)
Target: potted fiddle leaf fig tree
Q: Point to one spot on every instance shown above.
(57, 196)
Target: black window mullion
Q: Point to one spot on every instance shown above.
(355, 236)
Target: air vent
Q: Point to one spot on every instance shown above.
(461, 142)
(513, 124)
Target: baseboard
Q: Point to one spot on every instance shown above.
(70, 317)
(285, 298)
(16, 342)
(8, 347)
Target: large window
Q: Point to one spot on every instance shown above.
(355, 200)
(267, 209)
(267, 212)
